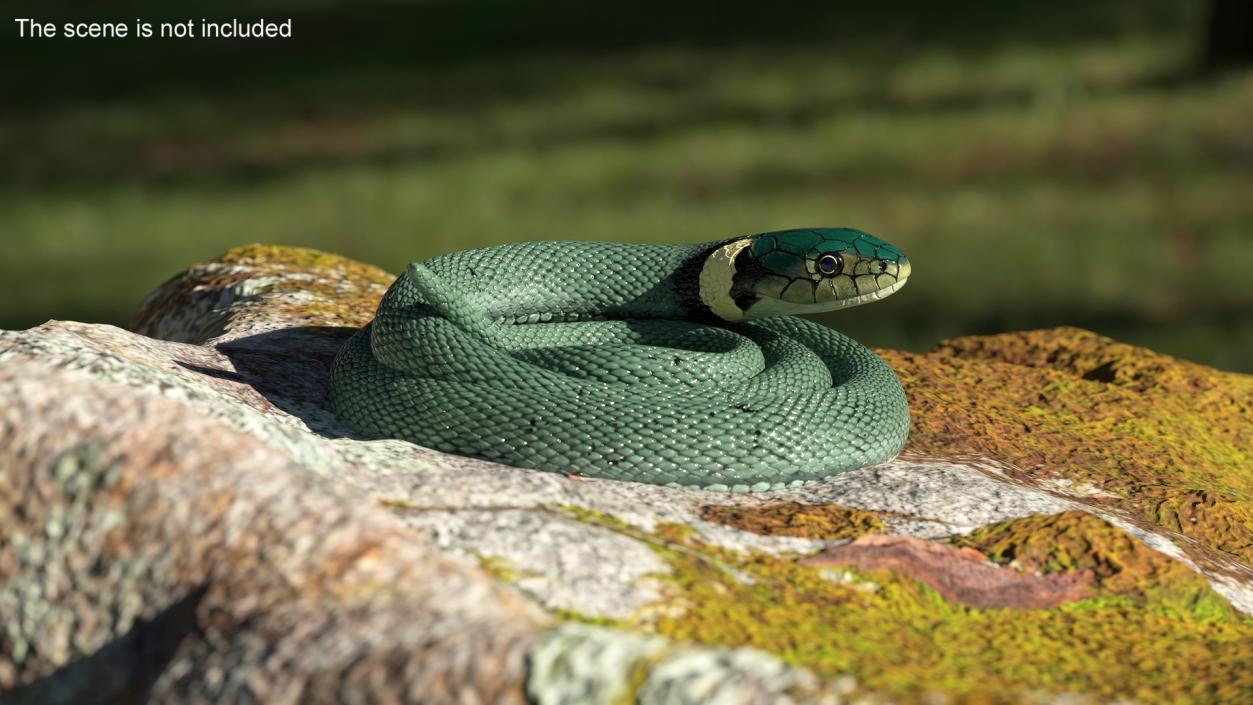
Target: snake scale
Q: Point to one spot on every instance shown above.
(669, 364)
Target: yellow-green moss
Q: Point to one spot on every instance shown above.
(500, 568)
(674, 532)
(635, 680)
(1075, 540)
(291, 257)
(335, 292)
(597, 518)
(1168, 440)
(397, 503)
(903, 640)
(812, 521)
(569, 615)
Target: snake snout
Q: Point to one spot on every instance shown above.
(902, 269)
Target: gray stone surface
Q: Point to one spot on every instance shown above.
(560, 563)
(670, 674)
(152, 548)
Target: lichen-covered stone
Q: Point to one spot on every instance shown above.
(904, 640)
(1166, 442)
(257, 288)
(184, 518)
(122, 507)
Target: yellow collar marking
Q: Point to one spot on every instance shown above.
(716, 279)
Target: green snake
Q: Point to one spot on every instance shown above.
(669, 364)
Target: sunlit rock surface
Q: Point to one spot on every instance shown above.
(183, 518)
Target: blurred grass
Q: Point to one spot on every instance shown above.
(1041, 166)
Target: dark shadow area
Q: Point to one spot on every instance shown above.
(290, 368)
(124, 670)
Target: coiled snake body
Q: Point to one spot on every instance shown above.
(668, 364)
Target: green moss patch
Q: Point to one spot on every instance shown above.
(820, 521)
(901, 639)
(397, 503)
(502, 569)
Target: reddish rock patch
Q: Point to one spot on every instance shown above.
(1077, 541)
(959, 574)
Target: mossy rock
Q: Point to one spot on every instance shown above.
(811, 521)
(1152, 631)
(1167, 441)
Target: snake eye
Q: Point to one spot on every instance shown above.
(830, 265)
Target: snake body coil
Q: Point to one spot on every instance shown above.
(668, 364)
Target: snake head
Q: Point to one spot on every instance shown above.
(807, 270)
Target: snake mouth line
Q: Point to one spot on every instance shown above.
(770, 306)
(870, 296)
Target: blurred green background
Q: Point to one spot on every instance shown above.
(1041, 163)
